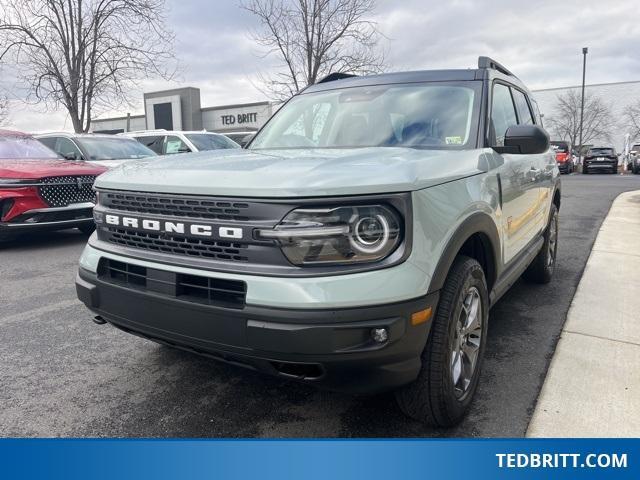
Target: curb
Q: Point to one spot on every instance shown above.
(592, 388)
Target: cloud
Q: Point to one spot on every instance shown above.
(539, 40)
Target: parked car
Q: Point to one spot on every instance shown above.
(241, 138)
(165, 142)
(357, 244)
(600, 159)
(634, 158)
(564, 156)
(41, 191)
(100, 149)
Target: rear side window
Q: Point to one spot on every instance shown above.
(154, 142)
(503, 113)
(524, 112)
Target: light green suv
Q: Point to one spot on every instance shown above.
(358, 243)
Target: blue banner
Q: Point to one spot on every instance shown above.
(319, 459)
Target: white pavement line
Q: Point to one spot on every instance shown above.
(592, 388)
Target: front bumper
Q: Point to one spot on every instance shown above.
(327, 347)
(49, 218)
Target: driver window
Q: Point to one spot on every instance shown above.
(175, 145)
(68, 149)
(503, 113)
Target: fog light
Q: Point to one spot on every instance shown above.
(379, 335)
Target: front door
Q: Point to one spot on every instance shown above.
(519, 176)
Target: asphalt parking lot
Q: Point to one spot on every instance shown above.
(62, 375)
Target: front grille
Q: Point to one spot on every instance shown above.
(179, 206)
(178, 245)
(214, 212)
(191, 288)
(63, 191)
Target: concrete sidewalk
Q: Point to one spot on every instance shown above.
(592, 388)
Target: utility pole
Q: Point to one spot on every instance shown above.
(585, 50)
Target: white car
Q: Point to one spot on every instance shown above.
(100, 149)
(168, 142)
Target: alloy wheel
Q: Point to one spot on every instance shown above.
(553, 240)
(466, 342)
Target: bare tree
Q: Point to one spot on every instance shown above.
(4, 109)
(632, 118)
(565, 120)
(314, 38)
(85, 54)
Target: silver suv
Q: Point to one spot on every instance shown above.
(169, 142)
(358, 242)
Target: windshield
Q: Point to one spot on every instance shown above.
(208, 141)
(601, 151)
(24, 147)
(116, 148)
(425, 115)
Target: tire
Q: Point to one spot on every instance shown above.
(585, 171)
(433, 398)
(87, 229)
(544, 264)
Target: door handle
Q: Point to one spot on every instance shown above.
(533, 173)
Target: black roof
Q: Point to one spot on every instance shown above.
(487, 68)
(398, 77)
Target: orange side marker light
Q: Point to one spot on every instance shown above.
(421, 317)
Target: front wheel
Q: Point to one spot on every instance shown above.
(452, 358)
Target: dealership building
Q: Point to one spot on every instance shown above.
(180, 109)
(617, 96)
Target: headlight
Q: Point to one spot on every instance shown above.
(337, 235)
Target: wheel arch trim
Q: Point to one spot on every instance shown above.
(477, 223)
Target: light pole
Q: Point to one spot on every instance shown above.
(585, 50)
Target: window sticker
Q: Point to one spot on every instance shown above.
(453, 140)
(173, 146)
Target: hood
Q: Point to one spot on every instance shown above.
(294, 173)
(39, 168)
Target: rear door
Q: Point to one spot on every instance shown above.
(520, 192)
(544, 164)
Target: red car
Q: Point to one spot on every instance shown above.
(41, 191)
(563, 156)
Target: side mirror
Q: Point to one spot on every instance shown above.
(70, 156)
(524, 140)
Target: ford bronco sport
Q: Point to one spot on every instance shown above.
(357, 243)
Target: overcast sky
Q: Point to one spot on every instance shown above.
(539, 40)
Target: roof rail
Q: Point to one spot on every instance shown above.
(335, 76)
(486, 63)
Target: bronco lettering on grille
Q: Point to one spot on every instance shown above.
(173, 227)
